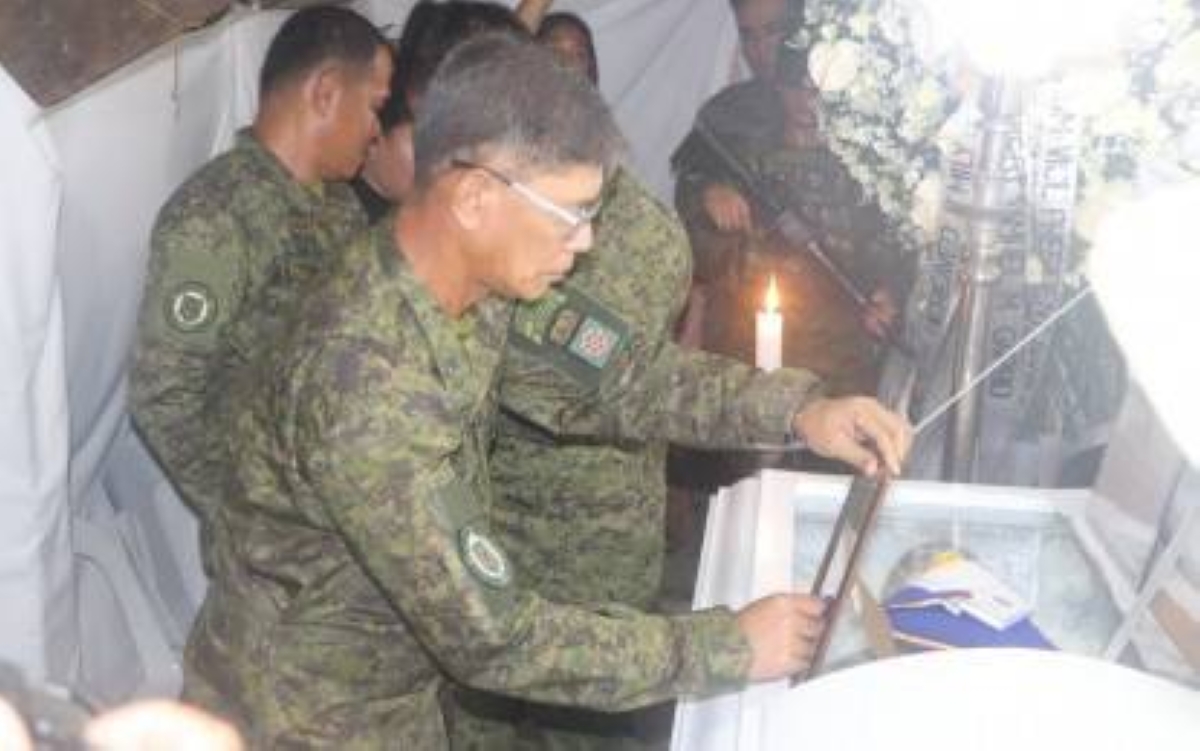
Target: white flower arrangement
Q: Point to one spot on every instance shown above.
(888, 92)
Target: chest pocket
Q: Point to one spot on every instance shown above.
(571, 332)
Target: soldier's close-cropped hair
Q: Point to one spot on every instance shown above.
(502, 95)
(313, 37)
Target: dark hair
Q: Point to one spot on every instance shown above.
(571, 22)
(795, 9)
(792, 68)
(316, 35)
(433, 29)
(499, 93)
(395, 110)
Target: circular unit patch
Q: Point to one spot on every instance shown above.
(484, 558)
(192, 307)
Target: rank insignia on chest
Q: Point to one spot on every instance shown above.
(484, 558)
(572, 332)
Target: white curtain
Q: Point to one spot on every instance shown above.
(35, 569)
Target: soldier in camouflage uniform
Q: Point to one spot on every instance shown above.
(238, 239)
(354, 569)
(583, 521)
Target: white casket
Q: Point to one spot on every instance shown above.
(767, 534)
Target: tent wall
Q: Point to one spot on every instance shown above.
(35, 576)
(99, 569)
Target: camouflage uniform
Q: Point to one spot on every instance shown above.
(354, 571)
(584, 522)
(229, 251)
(823, 332)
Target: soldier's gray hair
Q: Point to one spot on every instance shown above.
(505, 95)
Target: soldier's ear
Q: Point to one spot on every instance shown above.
(323, 90)
(472, 196)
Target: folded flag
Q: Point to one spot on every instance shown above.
(957, 603)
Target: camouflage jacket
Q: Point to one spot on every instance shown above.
(229, 251)
(354, 569)
(584, 520)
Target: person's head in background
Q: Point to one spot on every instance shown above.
(325, 74)
(570, 39)
(389, 166)
(762, 27)
(433, 29)
(796, 89)
(509, 200)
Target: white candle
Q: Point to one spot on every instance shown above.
(768, 331)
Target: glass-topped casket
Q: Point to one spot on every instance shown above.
(1054, 548)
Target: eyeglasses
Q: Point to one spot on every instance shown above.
(576, 218)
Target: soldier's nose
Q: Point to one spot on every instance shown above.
(581, 239)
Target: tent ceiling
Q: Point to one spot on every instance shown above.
(55, 48)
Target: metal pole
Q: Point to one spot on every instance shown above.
(997, 104)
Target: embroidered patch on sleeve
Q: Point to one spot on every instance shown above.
(191, 307)
(484, 558)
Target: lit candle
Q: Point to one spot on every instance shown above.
(768, 331)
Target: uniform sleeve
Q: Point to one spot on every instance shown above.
(667, 393)
(378, 438)
(192, 290)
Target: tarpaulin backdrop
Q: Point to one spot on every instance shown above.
(99, 570)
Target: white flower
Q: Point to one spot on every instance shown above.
(927, 205)
(859, 24)
(1181, 65)
(834, 66)
(1098, 204)
(1132, 120)
(1189, 148)
(1094, 89)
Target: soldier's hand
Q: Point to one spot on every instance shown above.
(857, 430)
(727, 208)
(782, 631)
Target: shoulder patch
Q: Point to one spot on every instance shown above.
(571, 332)
(484, 558)
(191, 307)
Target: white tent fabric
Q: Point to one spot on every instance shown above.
(99, 569)
(34, 441)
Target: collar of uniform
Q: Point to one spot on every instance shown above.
(302, 197)
(466, 351)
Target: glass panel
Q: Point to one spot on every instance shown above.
(1035, 552)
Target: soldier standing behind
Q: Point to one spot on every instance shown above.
(235, 243)
(354, 570)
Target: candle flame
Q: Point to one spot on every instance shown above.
(771, 303)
